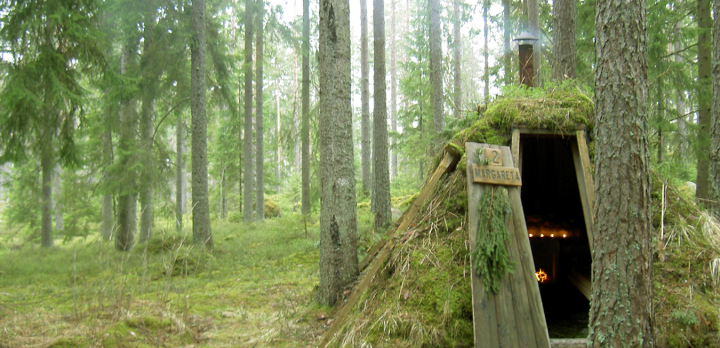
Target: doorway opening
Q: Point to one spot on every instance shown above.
(556, 227)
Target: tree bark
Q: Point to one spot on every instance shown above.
(365, 137)
(296, 119)
(680, 105)
(127, 199)
(486, 52)
(715, 134)
(201, 205)
(259, 130)
(147, 126)
(436, 66)
(564, 45)
(393, 92)
(338, 217)
(306, 109)
(46, 163)
(248, 131)
(621, 313)
(57, 193)
(457, 54)
(179, 172)
(107, 200)
(279, 146)
(704, 99)
(507, 31)
(381, 165)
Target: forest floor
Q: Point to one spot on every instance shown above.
(256, 288)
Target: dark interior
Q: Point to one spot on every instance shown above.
(556, 226)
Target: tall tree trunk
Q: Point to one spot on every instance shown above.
(201, 205)
(660, 113)
(486, 52)
(704, 97)
(147, 124)
(621, 313)
(681, 122)
(338, 217)
(107, 199)
(564, 45)
(381, 165)
(248, 132)
(306, 109)
(457, 47)
(365, 137)
(127, 200)
(259, 144)
(393, 91)
(57, 193)
(179, 172)
(715, 134)
(46, 163)
(436, 66)
(279, 146)
(534, 28)
(296, 120)
(507, 31)
(147, 127)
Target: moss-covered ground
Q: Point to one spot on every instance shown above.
(254, 289)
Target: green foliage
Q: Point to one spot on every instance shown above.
(490, 257)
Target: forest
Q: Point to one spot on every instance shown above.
(294, 173)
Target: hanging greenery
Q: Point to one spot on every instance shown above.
(490, 256)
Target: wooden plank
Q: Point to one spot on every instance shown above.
(484, 312)
(448, 161)
(568, 343)
(581, 160)
(525, 329)
(507, 329)
(548, 131)
(353, 299)
(515, 147)
(537, 313)
(581, 283)
(496, 175)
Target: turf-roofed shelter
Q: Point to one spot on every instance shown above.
(416, 289)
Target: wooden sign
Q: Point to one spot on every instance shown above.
(496, 175)
(494, 157)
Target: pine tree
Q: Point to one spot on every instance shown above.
(365, 137)
(306, 109)
(248, 132)
(436, 65)
(457, 53)
(381, 165)
(564, 47)
(201, 206)
(704, 90)
(41, 92)
(259, 145)
(621, 313)
(715, 134)
(338, 216)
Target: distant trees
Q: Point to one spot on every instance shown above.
(305, 129)
(338, 216)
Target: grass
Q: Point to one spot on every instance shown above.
(255, 288)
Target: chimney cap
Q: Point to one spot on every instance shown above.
(525, 38)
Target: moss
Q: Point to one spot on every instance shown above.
(69, 342)
(149, 322)
(272, 209)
